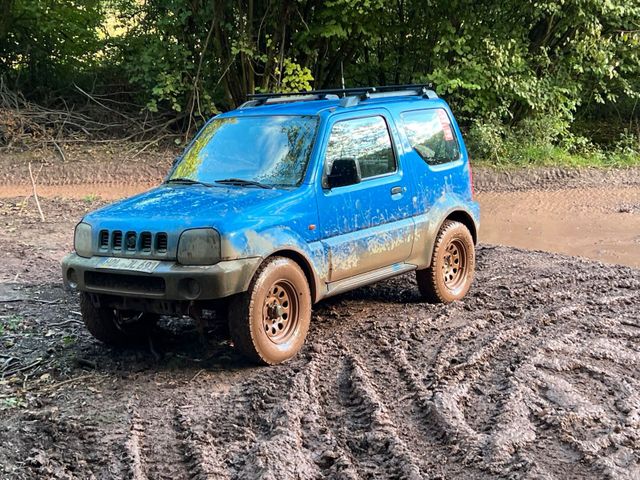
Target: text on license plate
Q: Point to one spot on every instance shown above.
(134, 264)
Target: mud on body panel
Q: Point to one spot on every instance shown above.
(370, 249)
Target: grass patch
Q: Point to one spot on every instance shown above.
(548, 142)
(92, 197)
(551, 156)
(10, 323)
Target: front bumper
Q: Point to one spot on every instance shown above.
(168, 281)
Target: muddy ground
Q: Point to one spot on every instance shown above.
(534, 375)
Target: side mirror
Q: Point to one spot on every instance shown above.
(344, 171)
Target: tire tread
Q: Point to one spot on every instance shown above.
(241, 309)
(427, 278)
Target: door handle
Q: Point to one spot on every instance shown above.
(396, 190)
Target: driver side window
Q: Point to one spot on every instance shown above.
(367, 141)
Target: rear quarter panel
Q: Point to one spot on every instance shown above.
(438, 190)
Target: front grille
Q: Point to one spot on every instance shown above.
(161, 242)
(116, 243)
(130, 242)
(145, 241)
(119, 282)
(104, 239)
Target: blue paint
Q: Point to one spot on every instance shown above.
(388, 219)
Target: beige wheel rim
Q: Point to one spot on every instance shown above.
(280, 312)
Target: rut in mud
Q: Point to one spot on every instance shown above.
(535, 373)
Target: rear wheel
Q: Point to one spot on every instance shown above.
(450, 274)
(113, 326)
(269, 322)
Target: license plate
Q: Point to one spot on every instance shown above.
(133, 264)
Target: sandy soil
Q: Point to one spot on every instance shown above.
(534, 375)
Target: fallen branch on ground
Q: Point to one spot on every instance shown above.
(35, 193)
(67, 322)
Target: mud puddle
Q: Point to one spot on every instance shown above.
(597, 223)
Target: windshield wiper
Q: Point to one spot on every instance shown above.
(243, 183)
(188, 181)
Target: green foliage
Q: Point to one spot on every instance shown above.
(514, 71)
(45, 44)
(11, 322)
(11, 403)
(294, 77)
(541, 142)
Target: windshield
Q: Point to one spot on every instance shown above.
(267, 150)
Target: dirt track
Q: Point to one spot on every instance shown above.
(534, 375)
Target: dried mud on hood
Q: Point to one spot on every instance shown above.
(534, 375)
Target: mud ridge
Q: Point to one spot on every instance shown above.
(607, 444)
(373, 430)
(158, 442)
(205, 461)
(133, 447)
(489, 179)
(284, 450)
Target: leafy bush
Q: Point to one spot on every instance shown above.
(517, 73)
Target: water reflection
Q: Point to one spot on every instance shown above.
(431, 135)
(273, 150)
(364, 139)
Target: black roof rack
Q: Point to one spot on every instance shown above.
(351, 96)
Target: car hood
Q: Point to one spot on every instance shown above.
(172, 208)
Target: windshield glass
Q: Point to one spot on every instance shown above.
(271, 150)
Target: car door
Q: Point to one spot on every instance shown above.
(367, 225)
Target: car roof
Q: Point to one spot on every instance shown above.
(329, 106)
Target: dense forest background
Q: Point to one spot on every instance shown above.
(531, 81)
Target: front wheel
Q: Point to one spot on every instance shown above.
(269, 322)
(112, 326)
(450, 274)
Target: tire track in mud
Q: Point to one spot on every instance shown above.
(282, 450)
(510, 431)
(133, 447)
(284, 426)
(156, 447)
(568, 384)
(271, 427)
(502, 443)
(367, 428)
(205, 462)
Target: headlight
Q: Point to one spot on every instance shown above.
(82, 241)
(200, 246)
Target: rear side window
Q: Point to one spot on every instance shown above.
(431, 135)
(367, 141)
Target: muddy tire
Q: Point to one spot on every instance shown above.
(450, 274)
(112, 327)
(269, 322)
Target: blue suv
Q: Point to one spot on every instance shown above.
(285, 201)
